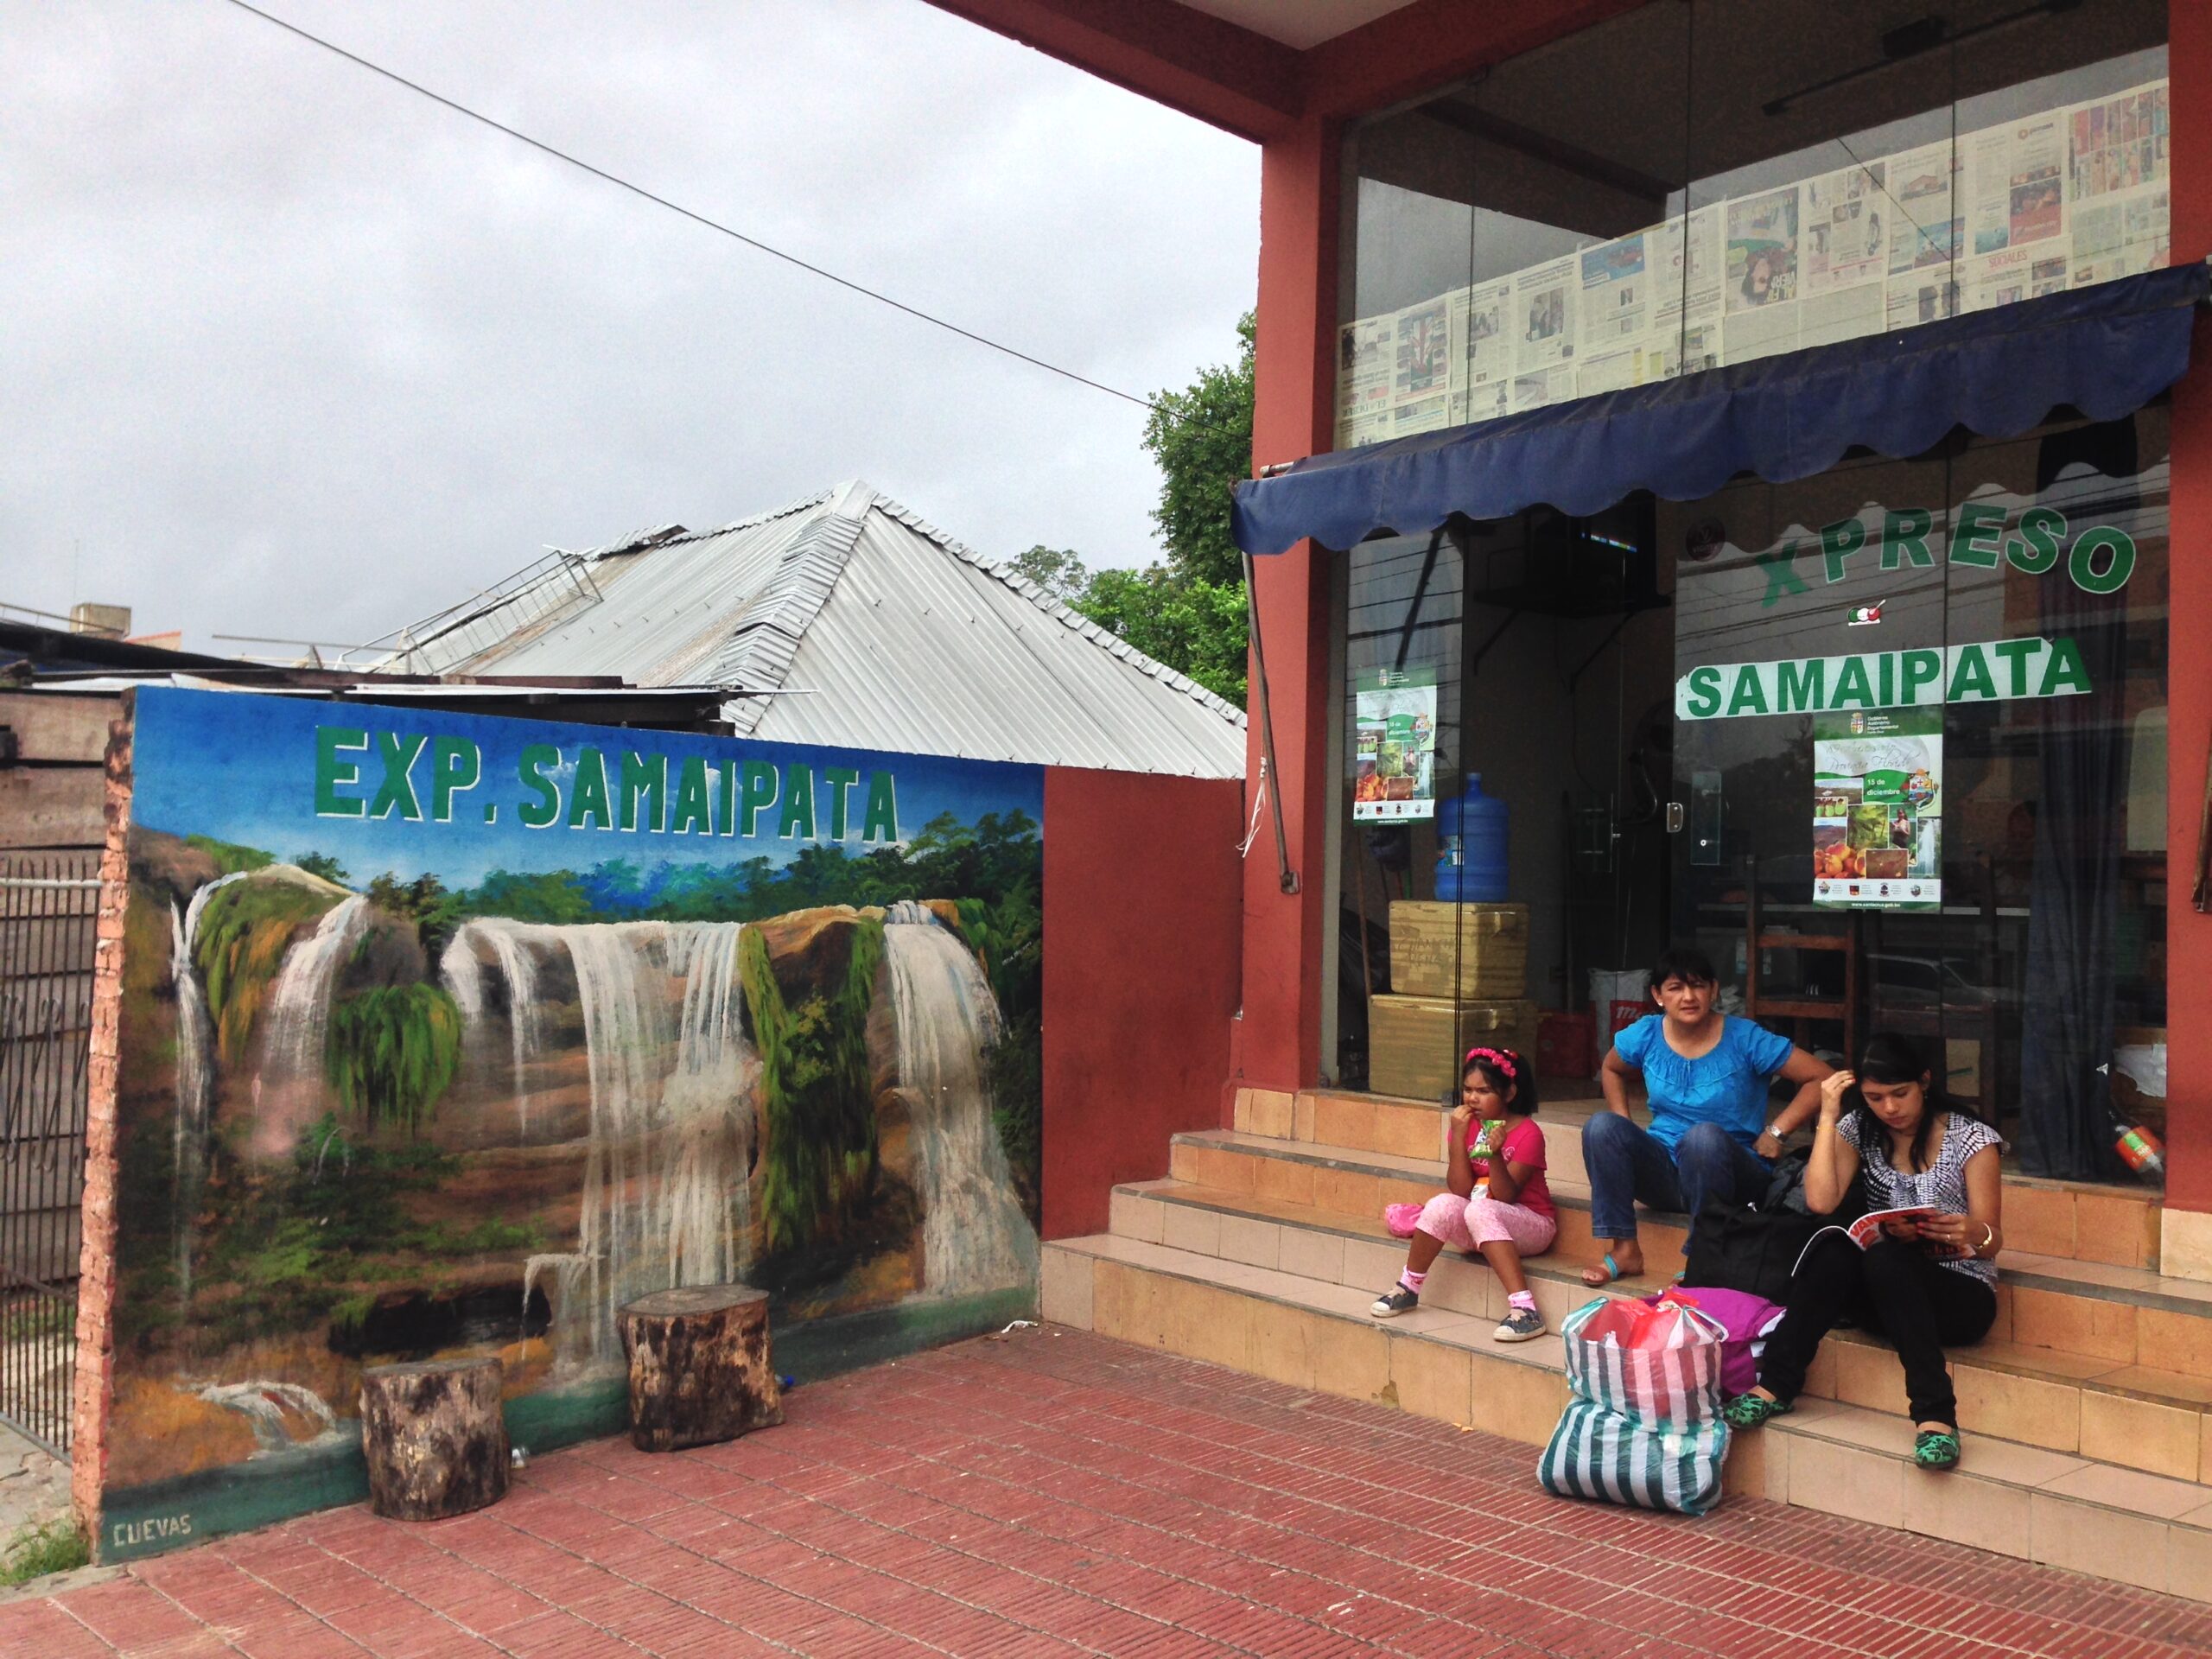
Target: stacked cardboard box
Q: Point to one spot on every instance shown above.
(1417, 1033)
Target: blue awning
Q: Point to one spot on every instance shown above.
(2105, 350)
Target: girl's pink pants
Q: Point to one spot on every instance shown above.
(1469, 1224)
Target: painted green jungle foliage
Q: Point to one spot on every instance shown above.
(241, 945)
(822, 1141)
(392, 1051)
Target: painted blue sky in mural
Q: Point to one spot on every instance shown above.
(413, 791)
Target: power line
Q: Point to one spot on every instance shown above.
(697, 217)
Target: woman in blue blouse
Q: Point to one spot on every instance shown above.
(1705, 1077)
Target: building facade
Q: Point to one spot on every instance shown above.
(1760, 441)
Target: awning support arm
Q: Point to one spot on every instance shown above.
(1287, 876)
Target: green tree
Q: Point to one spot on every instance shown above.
(1056, 570)
(1202, 438)
(1188, 610)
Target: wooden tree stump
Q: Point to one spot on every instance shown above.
(700, 1369)
(435, 1437)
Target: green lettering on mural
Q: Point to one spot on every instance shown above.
(1970, 680)
(2063, 675)
(396, 793)
(1851, 686)
(537, 760)
(588, 807)
(457, 765)
(646, 777)
(1800, 686)
(1919, 668)
(1782, 577)
(797, 817)
(840, 780)
(1704, 693)
(755, 794)
(1905, 531)
(1839, 541)
(883, 821)
(727, 777)
(688, 817)
(331, 773)
(1977, 534)
(1749, 697)
(2082, 564)
(2035, 549)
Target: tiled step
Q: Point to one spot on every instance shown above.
(1347, 1181)
(2113, 1226)
(2076, 1381)
(1309, 1333)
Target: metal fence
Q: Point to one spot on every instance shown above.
(49, 904)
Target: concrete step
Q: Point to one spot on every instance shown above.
(2063, 1509)
(2072, 1365)
(2109, 1225)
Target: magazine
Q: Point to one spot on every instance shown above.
(1868, 1227)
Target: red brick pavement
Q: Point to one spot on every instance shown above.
(1056, 1493)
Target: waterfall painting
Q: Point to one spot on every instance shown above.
(444, 1034)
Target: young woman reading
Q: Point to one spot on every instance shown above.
(1928, 1283)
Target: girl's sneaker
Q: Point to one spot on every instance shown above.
(1520, 1325)
(1398, 1300)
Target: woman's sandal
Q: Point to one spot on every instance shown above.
(1935, 1448)
(1611, 1271)
(1750, 1410)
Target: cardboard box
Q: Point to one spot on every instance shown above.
(1488, 942)
(1413, 1049)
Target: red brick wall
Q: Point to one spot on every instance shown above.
(96, 1283)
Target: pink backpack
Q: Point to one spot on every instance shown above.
(1744, 1317)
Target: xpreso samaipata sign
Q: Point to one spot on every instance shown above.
(1988, 670)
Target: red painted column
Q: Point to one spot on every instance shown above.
(2189, 670)
(1140, 910)
(1280, 1036)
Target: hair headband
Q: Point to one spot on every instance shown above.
(1502, 1060)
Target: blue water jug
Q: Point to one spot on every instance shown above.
(1470, 867)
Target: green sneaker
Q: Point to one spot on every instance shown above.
(1750, 1410)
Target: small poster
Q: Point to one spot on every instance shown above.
(1878, 811)
(1393, 717)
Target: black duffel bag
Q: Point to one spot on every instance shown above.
(1753, 1247)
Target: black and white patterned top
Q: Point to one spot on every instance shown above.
(1942, 1185)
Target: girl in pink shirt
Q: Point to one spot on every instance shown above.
(1499, 1203)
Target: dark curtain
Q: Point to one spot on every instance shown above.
(2067, 1012)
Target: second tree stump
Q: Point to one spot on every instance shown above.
(700, 1369)
(435, 1437)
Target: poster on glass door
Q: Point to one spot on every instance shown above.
(1878, 811)
(1393, 726)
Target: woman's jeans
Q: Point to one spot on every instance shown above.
(1895, 1288)
(1629, 1165)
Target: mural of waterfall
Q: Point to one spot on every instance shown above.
(299, 1010)
(974, 1235)
(666, 1198)
(634, 1010)
(464, 976)
(195, 1070)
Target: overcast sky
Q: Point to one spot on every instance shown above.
(288, 350)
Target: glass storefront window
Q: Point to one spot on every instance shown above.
(1708, 181)
(1889, 743)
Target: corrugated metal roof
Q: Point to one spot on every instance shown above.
(904, 639)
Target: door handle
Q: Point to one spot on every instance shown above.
(1676, 815)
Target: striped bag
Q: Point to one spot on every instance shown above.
(1644, 1426)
